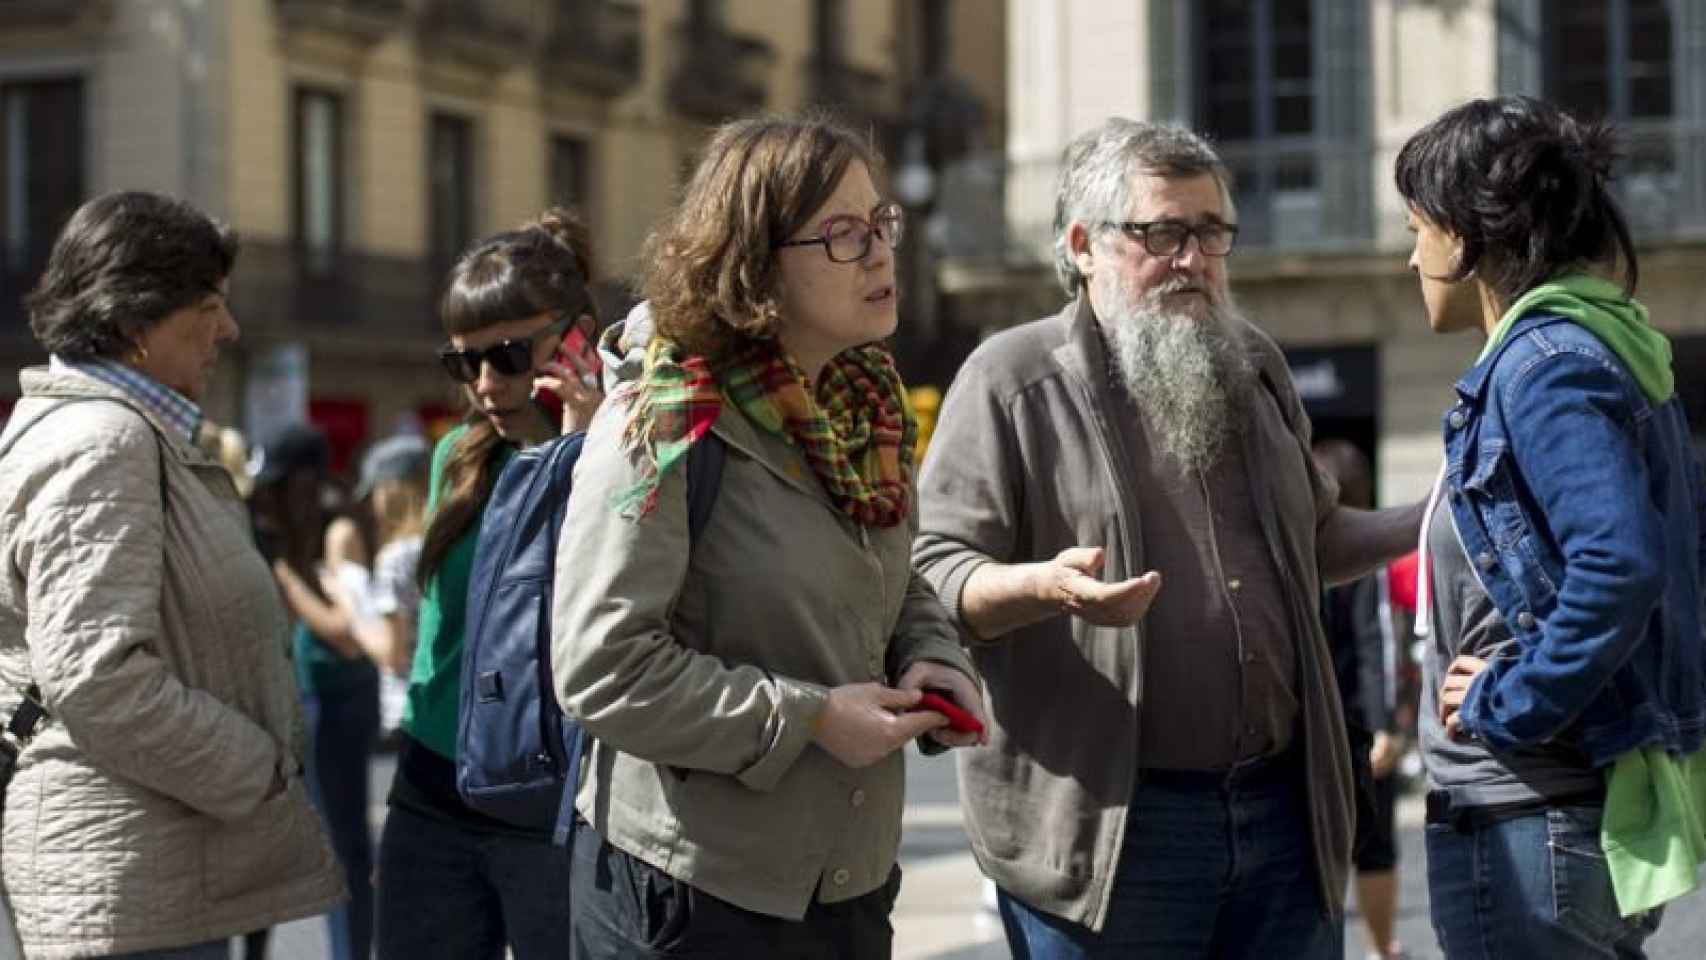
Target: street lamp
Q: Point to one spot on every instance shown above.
(915, 182)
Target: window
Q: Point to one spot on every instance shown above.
(319, 179)
(1256, 82)
(829, 19)
(1617, 60)
(570, 173)
(1281, 87)
(451, 182)
(1257, 68)
(41, 171)
(1609, 58)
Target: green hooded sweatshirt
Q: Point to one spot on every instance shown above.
(1615, 318)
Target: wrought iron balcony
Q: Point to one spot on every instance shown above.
(367, 21)
(594, 47)
(850, 89)
(491, 34)
(719, 74)
(54, 14)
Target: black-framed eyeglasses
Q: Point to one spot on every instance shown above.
(509, 358)
(1165, 238)
(847, 238)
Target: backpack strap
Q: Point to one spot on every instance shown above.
(705, 461)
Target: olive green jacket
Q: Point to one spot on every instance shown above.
(700, 669)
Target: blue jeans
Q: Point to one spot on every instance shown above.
(342, 728)
(1532, 886)
(1217, 870)
(449, 891)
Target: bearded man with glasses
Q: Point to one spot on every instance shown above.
(1168, 770)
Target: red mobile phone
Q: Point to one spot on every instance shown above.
(577, 345)
(958, 720)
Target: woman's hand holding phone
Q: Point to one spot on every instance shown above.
(948, 693)
(567, 386)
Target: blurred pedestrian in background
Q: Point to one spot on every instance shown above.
(1357, 617)
(391, 497)
(748, 693)
(1562, 556)
(159, 810)
(340, 686)
(454, 883)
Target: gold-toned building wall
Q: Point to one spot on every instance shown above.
(201, 100)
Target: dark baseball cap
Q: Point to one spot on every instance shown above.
(287, 448)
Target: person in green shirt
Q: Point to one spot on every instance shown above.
(453, 882)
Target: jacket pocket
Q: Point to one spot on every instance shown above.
(279, 843)
(1496, 492)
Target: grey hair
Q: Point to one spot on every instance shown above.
(1096, 172)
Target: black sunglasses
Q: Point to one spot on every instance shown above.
(509, 358)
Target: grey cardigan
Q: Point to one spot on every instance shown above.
(1023, 464)
(700, 672)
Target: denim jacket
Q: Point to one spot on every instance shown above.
(1579, 503)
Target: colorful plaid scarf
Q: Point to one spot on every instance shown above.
(858, 432)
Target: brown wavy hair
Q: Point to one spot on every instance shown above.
(710, 266)
(545, 266)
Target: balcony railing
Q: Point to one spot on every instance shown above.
(53, 14)
(1290, 195)
(279, 289)
(595, 47)
(367, 21)
(1661, 181)
(490, 34)
(849, 89)
(719, 74)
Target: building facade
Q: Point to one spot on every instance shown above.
(358, 145)
(1309, 101)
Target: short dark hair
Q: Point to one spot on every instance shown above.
(1524, 185)
(122, 264)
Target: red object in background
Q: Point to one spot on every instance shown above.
(6, 404)
(1401, 580)
(345, 424)
(437, 419)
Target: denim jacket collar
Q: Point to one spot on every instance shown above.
(1473, 383)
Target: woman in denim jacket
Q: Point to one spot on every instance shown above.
(1562, 580)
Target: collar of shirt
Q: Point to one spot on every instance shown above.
(171, 407)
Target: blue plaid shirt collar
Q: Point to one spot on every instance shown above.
(168, 406)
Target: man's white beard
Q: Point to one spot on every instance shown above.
(1188, 375)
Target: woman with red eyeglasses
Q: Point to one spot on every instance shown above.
(452, 881)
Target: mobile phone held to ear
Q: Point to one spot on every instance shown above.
(959, 720)
(578, 344)
(575, 346)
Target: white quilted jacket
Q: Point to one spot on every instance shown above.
(146, 813)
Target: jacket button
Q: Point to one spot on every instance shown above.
(1525, 620)
(858, 798)
(840, 877)
(1458, 419)
(1484, 561)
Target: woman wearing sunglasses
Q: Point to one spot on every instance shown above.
(749, 692)
(452, 882)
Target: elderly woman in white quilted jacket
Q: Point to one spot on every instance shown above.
(159, 810)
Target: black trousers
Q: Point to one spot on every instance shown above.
(622, 907)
